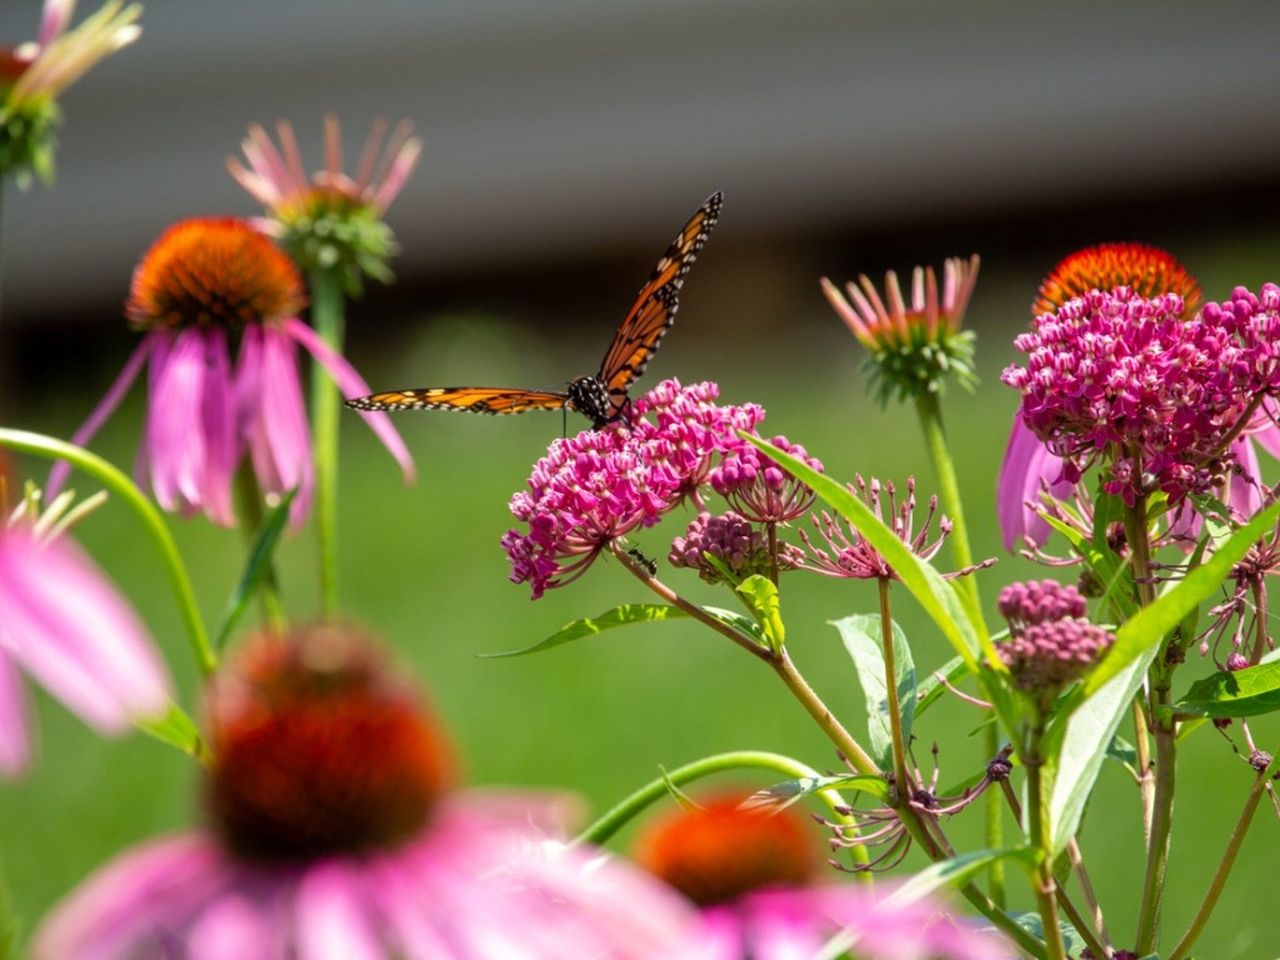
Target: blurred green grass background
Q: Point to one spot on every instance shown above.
(422, 567)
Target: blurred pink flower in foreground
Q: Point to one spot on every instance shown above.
(752, 872)
(64, 624)
(335, 834)
(203, 285)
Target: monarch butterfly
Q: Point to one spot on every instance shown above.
(602, 398)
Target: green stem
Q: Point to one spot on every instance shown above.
(1046, 887)
(8, 921)
(930, 414)
(858, 758)
(250, 495)
(1224, 867)
(112, 478)
(891, 689)
(328, 319)
(613, 820)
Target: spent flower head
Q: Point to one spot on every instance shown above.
(207, 289)
(913, 346)
(594, 488)
(850, 555)
(330, 221)
(335, 830)
(34, 74)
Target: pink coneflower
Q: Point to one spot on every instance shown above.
(63, 623)
(913, 346)
(753, 875)
(335, 832)
(330, 220)
(33, 75)
(205, 287)
(596, 487)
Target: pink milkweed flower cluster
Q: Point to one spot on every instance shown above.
(205, 285)
(733, 541)
(1123, 378)
(1050, 643)
(593, 488)
(335, 832)
(64, 624)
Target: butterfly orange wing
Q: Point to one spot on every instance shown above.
(472, 399)
(655, 307)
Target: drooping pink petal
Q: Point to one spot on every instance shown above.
(333, 920)
(351, 384)
(15, 736)
(786, 928)
(175, 438)
(106, 406)
(247, 920)
(282, 418)
(138, 899)
(720, 935)
(219, 416)
(69, 628)
(401, 168)
(1027, 464)
(1244, 494)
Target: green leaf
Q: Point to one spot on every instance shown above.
(1244, 693)
(930, 689)
(256, 568)
(790, 791)
(953, 872)
(959, 623)
(1106, 566)
(761, 596)
(177, 730)
(1076, 746)
(1149, 626)
(1034, 925)
(1122, 751)
(860, 634)
(621, 616)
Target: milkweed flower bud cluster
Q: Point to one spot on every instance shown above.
(597, 486)
(759, 488)
(1050, 643)
(733, 541)
(1117, 376)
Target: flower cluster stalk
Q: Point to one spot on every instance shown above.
(929, 413)
(891, 688)
(1046, 886)
(329, 320)
(251, 505)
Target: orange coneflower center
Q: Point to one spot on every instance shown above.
(1148, 271)
(718, 852)
(317, 751)
(213, 271)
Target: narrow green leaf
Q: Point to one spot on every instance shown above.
(1245, 693)
(860, 634)
(721, 568)
(761, 596)
(1148, 627)
(790, 791)
(939, 598)
(930, 689)
(625, 614)
(1076, 747)
(256, 568)
(177, 730)
(619, 616)
(1122, 751)
(1105, 565)
(953, 872)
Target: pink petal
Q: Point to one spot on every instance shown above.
(15, 745)
(332, 920)
(351, 384)
(71, 630)
(1269, 435)
(175, 434)
(1244, 495)
(720, 935)
(239, 923)
(398, 174)
(54, 20)
(219, 415)
(135, 900)
(786, 928)
(1027, 463)
(106, 406)
(283, 422)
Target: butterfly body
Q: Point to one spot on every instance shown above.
(601, 397)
